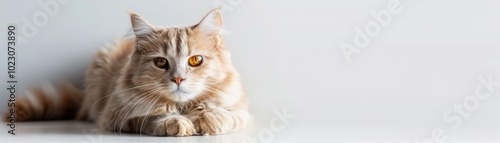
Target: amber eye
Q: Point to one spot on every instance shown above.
(161, 63)
(195, 61)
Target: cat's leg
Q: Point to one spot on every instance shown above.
(162, 125)
(209, 119)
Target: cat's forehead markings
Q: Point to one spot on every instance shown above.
(163, 44)
(176, 41)
(179, 42)
(167, 44)
(182, 39)
(173, 42)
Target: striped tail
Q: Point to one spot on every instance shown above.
(48, 103)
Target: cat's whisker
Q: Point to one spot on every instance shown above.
(120, 119)
(155, 101)
(142, 97)
(119, 92)
(134, 112)
(149, 111)
(125, 107)
(118, 76)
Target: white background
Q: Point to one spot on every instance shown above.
(424, 62)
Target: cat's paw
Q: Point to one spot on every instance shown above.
(175, 126)
(210, 120)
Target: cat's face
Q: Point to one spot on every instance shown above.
(178, 62)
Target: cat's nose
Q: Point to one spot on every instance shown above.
(177, 80)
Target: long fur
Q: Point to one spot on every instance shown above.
(126, 92)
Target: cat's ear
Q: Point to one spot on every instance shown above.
(211, 23)
(140, 26)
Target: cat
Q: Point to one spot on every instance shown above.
(174, 81)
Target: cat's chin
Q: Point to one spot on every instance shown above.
(180, 95)
(179, 92)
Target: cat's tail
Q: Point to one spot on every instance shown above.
(47, 103)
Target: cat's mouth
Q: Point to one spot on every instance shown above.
(181, 95)
(178, 91)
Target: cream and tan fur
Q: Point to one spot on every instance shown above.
(126, 92)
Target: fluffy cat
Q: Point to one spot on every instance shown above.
(176, 81)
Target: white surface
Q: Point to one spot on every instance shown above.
(398, 88)
(81, 132)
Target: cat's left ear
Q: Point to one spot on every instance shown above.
(140, 26)
(211, 24)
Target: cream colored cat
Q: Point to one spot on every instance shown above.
(176, 81)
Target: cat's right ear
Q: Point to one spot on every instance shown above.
(140, 26)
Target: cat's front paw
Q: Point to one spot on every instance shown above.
(212, 121)
(175, 126)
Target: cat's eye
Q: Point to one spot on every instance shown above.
(195, 61)
(161, 63)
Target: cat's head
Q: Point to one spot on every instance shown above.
(178, 63)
